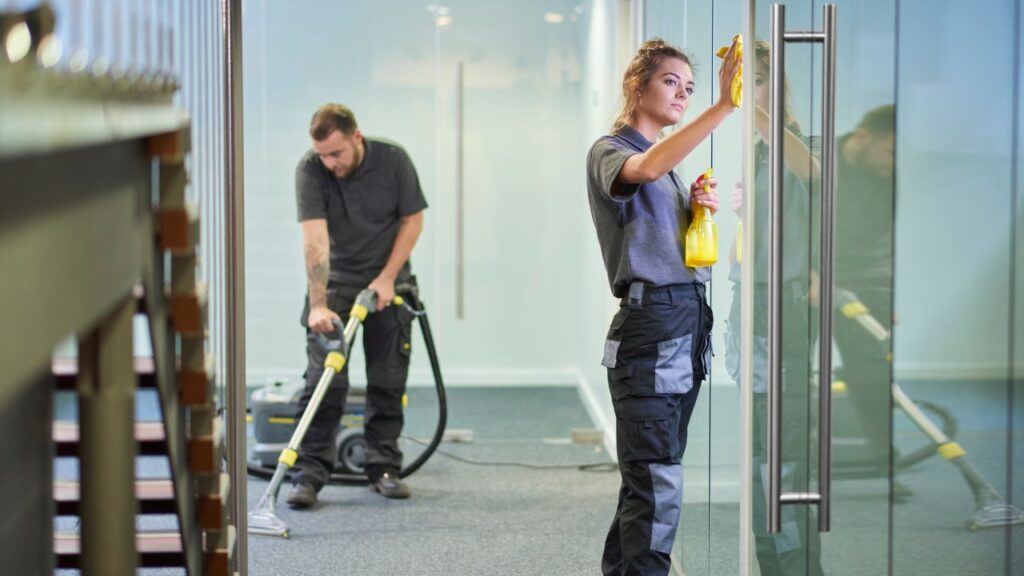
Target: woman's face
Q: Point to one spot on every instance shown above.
(761, 86)
(666, 96)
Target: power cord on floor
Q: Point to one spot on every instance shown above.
(592, 467)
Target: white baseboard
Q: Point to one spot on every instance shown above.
(904, 371)
(496, 377)
(454, 377)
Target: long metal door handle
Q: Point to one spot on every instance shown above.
(776, 104)
(828, 176)
(460, 200)
(776, 168)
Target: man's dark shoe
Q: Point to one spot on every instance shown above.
(302, 496)
(391, 487)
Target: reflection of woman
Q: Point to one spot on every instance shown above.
(788, 551)
(657, 346)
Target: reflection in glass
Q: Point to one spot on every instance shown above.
(796, 549)
(951, 344)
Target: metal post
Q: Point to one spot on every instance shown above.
(775, 181)
(234, 269)
(106, 407)
(828, 171)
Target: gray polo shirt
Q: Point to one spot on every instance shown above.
(362, 210)
(642, 227)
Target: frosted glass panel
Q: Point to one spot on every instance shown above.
(523, 141)
(525, 216)
(295, 61)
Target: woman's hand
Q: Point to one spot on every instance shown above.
(702, 197)
(736, 197)
(726, 73)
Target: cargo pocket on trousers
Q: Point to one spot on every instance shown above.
(404, 332)
(673, 370)
(614, 339)
(648, 428)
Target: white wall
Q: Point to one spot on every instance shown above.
(602, 79)
(953, 225)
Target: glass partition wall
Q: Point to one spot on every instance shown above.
(957, 336)
(708, 534)
(922, 424)
(816, 285)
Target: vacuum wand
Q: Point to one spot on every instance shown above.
(263, 518)
(990, 509)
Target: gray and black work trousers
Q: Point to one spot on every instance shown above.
(657, 355)
(386, 343)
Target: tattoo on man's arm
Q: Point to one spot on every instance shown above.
(317, 271)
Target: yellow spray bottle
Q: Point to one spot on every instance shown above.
(702, 235)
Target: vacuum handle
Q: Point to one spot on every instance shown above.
(365, 303)
(325, 342)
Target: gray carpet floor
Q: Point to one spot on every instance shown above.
(464, 519)
(496, 519)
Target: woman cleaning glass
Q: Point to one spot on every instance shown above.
(658, 344)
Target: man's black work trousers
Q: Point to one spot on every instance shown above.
(386, 343)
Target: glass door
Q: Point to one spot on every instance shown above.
(708, 534)
(958, 339)
(816, 285)
(509, 227)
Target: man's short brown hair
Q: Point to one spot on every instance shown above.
(331, 117)
(879, 122)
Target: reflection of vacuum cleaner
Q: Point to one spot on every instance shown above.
(263, 518)
(990, 509)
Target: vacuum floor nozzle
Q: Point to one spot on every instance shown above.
(996, 516)
(263, 518)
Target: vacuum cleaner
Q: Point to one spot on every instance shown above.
(272, 414)
(263, 519)
(990, 510)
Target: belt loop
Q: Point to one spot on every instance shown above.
(635, 298)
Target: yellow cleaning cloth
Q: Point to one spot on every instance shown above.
(737, 80)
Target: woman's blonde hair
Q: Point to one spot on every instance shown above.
(763, 54)
(639, 73)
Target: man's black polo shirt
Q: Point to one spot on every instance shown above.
(362, 210)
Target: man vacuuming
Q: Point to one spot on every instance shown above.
(361, 209)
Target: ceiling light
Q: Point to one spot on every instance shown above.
(50, 51)
(18, 42)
